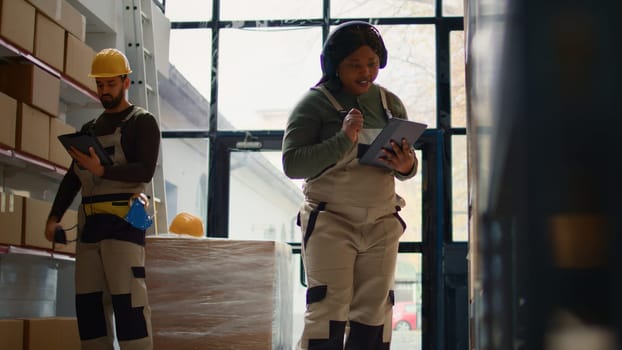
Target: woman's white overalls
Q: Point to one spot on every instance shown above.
(349, 250)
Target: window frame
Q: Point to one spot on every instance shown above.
(436, 150)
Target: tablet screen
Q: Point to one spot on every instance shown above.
(396, 129)
(82, 142)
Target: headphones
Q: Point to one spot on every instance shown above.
(327, 57)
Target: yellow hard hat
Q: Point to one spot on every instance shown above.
(186, 223)
(109, 63)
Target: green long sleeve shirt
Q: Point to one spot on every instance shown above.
(316, 149)
(313, 138)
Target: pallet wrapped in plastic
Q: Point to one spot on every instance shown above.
(217, 294)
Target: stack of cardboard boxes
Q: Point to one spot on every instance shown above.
(49, 333)
(23, 222)
(49, 35)
(51, 32)
(42, 43)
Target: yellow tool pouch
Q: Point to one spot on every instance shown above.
(117, 208)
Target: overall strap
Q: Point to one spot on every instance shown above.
(135, 111)
(338, 107)
(88, 127)
(385, 105)
(330, 97)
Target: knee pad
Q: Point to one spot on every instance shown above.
(316, 294)
(90, 315)
(129, 321)
(335, 338)
(364, 337)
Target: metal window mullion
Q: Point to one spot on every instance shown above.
(218, 184)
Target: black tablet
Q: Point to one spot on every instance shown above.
(82, 141)
(396, 129)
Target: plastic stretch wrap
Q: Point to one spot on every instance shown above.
(27, 286)
(208, 294)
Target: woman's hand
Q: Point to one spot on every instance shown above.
(352, 124)
(400, 158)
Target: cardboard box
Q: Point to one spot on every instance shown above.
(72, 20)
(50, 8)
(11, 216)
(51, 333)
(8, 122)
(63, 13)
(227, 294)
(12, 334)
(28, 83)
(78, 58)
(35, 217)
(33, 131)
(17, 23)
(49, 42)
(69, 222)
(58, 153)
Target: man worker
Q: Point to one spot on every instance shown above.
(110, 254)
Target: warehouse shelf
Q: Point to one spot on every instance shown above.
(11, 249)
(17, 159)
(71, 91)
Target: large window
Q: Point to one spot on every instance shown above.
(411, 69)
(186, 170)
(236, 74)
(244, 68)
(263, 202)
(269, 9)
(262, 72)
(381, 8)
(459, 171)
(189, 10)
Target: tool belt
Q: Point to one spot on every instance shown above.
(115, 204)
(105, 219)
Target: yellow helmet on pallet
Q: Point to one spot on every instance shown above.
(186, 223)
(109, 63)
